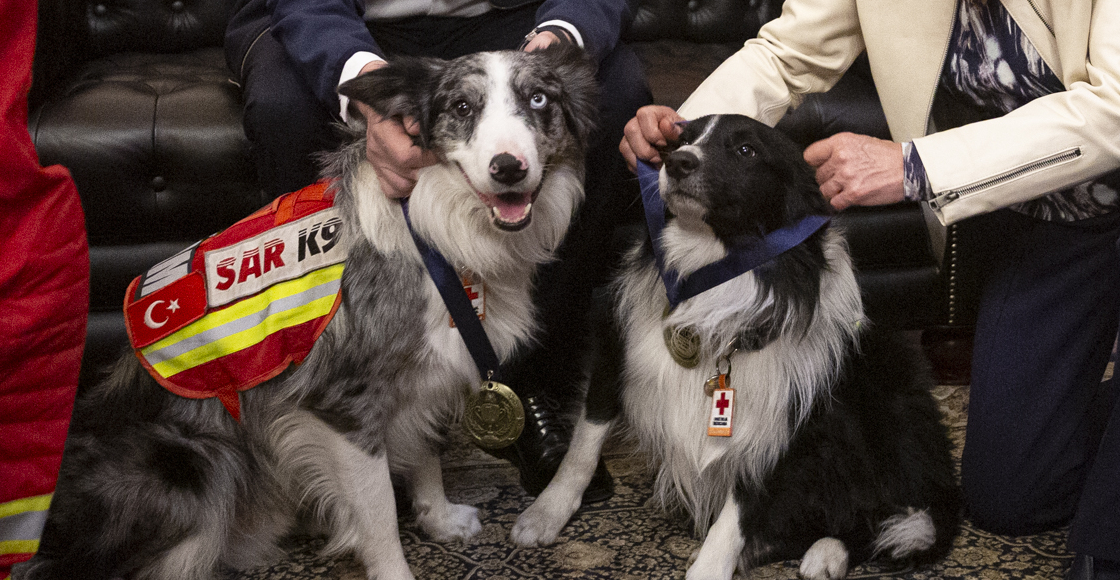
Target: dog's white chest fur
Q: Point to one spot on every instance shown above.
(503, 262)
(665, 403)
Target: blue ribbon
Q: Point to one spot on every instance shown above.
(455, 297)
(740, 259)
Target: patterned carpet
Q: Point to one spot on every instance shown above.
(625, 539)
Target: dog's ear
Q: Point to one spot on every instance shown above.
(803, 193)
(403, 88)
(801, 178)
(580, 101)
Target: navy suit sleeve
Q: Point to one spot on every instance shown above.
(600, 22)
(319, 36)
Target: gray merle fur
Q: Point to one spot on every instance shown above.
(155, 486)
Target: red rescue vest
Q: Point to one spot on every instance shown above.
(235, 309)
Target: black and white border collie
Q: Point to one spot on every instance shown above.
(836, 453)
(154, 486)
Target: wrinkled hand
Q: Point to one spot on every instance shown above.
(389, 148)
(857, 170)
(651, 129)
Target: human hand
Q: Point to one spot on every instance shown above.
(390, 150)
(541, 40)
(857, 170)
(653, 127)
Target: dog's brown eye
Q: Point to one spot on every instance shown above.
(746, 151)
(538, 100)
(462, 108)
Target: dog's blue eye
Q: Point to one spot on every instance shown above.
(746, 151)
(462, 108)
(538, 100)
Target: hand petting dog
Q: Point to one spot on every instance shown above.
(390, 148)
(851, 169)
(857, 170)
(651, 130)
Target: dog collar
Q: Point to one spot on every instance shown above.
(740, 259)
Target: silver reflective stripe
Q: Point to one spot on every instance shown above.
(234, 326)
(22, 526)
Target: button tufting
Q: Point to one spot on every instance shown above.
(159, 183)
(100, 9)
(177, 6)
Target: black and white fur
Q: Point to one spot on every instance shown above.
(154, 486)
(836, 455)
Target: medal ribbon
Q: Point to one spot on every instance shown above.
(450, 288)
(740, 259)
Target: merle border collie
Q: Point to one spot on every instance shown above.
(836, 453)
(154, 486)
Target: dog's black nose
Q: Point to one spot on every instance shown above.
(507, 169)
(680, 164)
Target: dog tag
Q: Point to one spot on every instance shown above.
(713, 383)
(494, 416)
(723, 408)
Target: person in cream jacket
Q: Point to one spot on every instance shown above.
(1004, 115)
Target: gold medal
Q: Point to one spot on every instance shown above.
(684, 345)
(682, 342)
(494, 417)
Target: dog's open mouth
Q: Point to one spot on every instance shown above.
(509, 210)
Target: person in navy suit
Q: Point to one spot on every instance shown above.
(289, 57)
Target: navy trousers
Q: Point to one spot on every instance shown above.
(1043, 438)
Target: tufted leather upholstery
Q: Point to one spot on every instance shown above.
(160, 27)
(700, 21)
(143, 113)
(133, 96)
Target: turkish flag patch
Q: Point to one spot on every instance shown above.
(166, 310)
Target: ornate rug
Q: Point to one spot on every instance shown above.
(624, 538)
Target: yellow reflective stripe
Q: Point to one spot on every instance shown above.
(242, 338)
(246, 338)
(19, 547)
(38, 503)
(250, 306)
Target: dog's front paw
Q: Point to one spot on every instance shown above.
(826, 559)
(452, 522)
(710, 565)
(541, 523)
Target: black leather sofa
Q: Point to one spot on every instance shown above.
(133, 96)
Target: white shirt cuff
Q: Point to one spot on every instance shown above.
(566, 26)
(350, 70)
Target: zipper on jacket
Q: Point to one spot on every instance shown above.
(955, 194)
(1039, 14)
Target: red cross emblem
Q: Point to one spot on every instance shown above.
(722, 403)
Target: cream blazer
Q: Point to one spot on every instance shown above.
(1051, 143)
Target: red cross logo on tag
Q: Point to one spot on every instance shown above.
(723, 411)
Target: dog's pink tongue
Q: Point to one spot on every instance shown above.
(512, 207)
